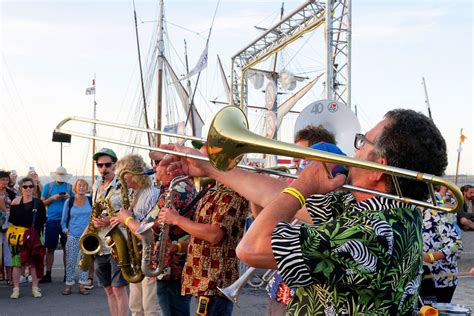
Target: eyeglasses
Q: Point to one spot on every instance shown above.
(106, 165)
(28, 186)
(360, 141)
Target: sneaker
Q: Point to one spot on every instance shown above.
(36, 291)
(30, 278)
(46, 279)
(89, 285)
(22, 279)
(15, 293)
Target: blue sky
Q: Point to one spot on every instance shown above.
(52, 49)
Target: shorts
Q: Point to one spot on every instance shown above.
(52, 233)
(107, 271)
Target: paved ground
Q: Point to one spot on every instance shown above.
(251, 302)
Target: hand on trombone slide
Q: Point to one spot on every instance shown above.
(176, 165)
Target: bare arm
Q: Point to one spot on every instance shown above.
(242, 181)
(255, 248)
(212, 233)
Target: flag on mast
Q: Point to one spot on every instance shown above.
(91, 90)
(462, 138)
(201, 64)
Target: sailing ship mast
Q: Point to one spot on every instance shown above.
(161, 49)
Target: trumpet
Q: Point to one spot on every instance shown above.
(232, 292)
(229, 139)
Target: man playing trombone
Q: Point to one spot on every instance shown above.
(362, 254)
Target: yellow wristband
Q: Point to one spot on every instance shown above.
(432, 258)
(295, 193)
(178, 244)
(127, 219)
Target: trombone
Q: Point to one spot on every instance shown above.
(229, 139)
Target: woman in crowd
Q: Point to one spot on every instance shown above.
(38, 186)
(5, 201)
(76, 214)
(25, 212)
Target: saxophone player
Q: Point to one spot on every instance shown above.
(143, 196)
(106, 269)
(170, 300)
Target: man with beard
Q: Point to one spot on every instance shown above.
(106, 268)
(362, 254)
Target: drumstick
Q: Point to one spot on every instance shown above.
(442, 275)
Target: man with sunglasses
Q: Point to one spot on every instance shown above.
(54, 195)
(363, 253)
(106, 269)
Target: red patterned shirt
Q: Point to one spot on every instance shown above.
(184, 193)
(210, 266)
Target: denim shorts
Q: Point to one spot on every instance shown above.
(52, 233)
(107, 271)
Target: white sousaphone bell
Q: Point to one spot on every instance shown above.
(336, 118)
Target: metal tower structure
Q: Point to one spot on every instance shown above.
(338, 51)
(306, 18)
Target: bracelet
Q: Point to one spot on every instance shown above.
(295, 193)
(432, 258)
(178, 244)
(127, 219)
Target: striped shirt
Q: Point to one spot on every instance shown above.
(147, 199)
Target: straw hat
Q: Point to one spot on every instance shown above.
(61, 175)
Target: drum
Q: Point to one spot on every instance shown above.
(451, 309)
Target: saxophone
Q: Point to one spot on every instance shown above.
(149, 260)
(90, 243)
(125, 250)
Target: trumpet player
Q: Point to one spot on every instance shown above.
(106, 269)
(211, 260)
(362, 254)
(143, 197)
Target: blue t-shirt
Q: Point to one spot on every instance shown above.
(55, 208)
(79, 218)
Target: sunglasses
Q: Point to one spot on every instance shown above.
(106, 164)
(28, 186)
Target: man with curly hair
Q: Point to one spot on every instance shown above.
(362, 253)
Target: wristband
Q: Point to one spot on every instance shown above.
(295, 193)
(432, 258)
(127, 219)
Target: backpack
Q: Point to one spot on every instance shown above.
(70, 204)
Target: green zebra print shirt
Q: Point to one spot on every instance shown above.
(359, 258)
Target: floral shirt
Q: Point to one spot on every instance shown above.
(183, 193)
(210, 266)
(439, 234)
(356, 258)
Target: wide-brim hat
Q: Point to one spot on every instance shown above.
(61, 175)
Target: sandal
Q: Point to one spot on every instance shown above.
(82, 290)
(67, 290)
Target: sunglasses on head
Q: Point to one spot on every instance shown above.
(106, 164)
(30, 186)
